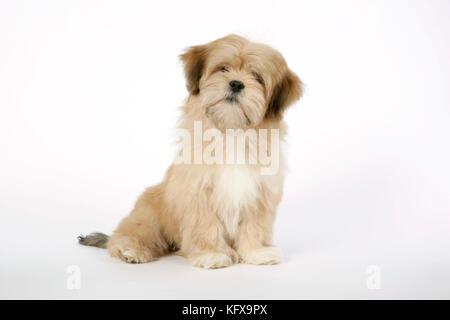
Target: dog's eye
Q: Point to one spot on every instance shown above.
(224, 69)
(258, 77)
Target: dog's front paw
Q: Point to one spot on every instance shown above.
(261, 256)
(211, 260)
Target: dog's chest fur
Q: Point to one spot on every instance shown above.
(235, 187)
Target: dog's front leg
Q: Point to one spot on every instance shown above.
(254, 237)
(203, 242)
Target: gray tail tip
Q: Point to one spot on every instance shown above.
(95, 239)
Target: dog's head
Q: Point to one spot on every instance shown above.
(240, 83)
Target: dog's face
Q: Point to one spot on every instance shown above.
(239, 83)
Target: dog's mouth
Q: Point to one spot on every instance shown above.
(231, 98)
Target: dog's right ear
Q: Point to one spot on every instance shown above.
(194, 63)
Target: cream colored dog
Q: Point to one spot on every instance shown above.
(216, 214)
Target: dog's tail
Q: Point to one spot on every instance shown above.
(95, 239)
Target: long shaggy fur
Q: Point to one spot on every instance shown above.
(215, 215)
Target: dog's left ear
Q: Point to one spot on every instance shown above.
(285, 93)
(194, 63)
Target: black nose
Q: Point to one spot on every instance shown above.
(236, 86)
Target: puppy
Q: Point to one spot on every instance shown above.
(211, 211)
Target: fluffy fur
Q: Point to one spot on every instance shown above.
(215, 215)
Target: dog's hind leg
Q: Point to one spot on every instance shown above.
(139, 237)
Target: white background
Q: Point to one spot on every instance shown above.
(89, 90)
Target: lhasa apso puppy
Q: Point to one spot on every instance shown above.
(217, 203)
